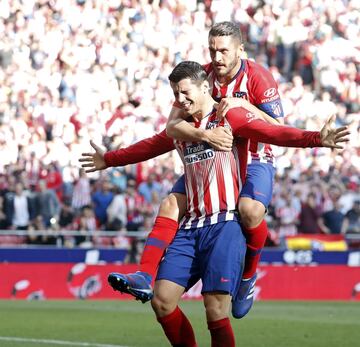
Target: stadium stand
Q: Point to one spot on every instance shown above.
(75, 70)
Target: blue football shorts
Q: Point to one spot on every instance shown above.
(259, 183)
(215, 254)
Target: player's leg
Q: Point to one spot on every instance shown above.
(222, 264)
(217, 313)
(166, 297)
(178, 271)
(173, 321)
(254, 200)
(166, 224)
(171, 209)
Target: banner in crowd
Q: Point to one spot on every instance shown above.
(81, 281)
(321, 242)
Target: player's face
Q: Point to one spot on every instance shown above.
(225, 52)
(189, 95)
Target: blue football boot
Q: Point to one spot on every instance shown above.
(243, 300)
(136, 284)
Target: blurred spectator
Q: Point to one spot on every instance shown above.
(352, 225)
(309, 216)
(101, 199)
(47, 204)
(19, 208)
(33, 168)
(47, 236)
(118, 178)
(352, 219)
(54, 180)
(332, 221)
(66, 217)
(287, 218)
(82, 191)
(117, 211)
(134, 206)
(86, 225)
(150, 186)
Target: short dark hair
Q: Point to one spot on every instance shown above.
(188, 69)
(226, 29)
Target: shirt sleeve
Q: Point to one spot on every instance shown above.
(245, 124)
(140, 151)
(264, 92)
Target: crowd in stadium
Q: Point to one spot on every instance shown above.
(75, 70)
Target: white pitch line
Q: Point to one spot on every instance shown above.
(56, 342)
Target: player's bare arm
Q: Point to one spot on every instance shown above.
(140, 151)
(219, 138)
(227, 103)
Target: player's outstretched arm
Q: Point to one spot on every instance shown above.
(247, 125)
(140, 151)
(219, 138)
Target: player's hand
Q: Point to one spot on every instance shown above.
(93, 161)
(332, 137)
(226, 104)
(220, 138)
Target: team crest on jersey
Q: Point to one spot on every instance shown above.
(276, 108)
(242, 95)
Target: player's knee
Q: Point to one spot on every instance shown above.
(251, 212)
(162, 305)
(216, 312)
(169, 207)
(172, 206)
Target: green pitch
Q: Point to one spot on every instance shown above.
(130, 324)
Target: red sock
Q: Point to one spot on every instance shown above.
(255, 240)
(158, 240)
(222, 334)
(178, 329)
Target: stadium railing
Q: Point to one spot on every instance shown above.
(102, 238)
(19, 237)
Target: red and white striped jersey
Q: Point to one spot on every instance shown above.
(256, 84)
(213, 179)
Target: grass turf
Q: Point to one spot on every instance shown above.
(130, 323)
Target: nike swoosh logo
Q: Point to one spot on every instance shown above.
(259, 193)
(224, 279)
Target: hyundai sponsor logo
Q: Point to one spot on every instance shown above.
(269, 93)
